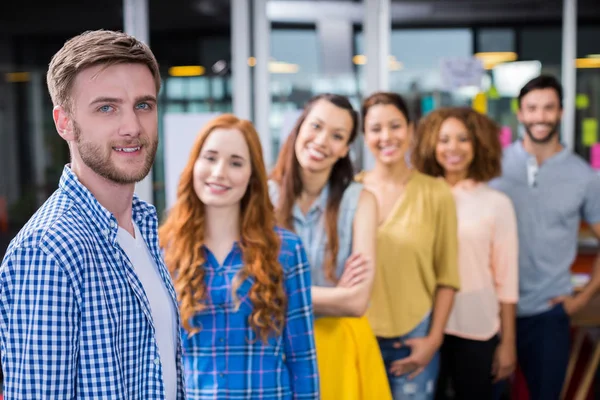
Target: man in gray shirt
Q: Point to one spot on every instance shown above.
(552, 190)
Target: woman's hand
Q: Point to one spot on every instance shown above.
(355, 271)
(505, 361)
(422, 351)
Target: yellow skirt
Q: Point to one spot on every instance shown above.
(350, 363)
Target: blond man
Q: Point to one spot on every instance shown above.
(87, 308)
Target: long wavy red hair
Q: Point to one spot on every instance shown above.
(182, 237)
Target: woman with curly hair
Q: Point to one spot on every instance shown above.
(315, 196)
(462, 146)
(243, 284)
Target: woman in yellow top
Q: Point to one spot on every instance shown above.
(417, 252)
(314, 194)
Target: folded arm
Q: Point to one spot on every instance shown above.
(353, 301)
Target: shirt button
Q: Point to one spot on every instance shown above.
(221, 340)
(112, 224)
(106, 232)
(156, 361)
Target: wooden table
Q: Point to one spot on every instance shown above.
(587, 318)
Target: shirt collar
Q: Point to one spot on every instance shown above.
(556, 157)
(319, 205)
(98, 215)
(321, 202)
(533, 167)
(465, 185)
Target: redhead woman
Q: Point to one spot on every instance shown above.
(314, 193)
(243, 284)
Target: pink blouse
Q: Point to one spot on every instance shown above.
(488, 260)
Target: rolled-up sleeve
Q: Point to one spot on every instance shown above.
(505, 251)
(446, 241)
(38, 327)
(299, 341)
(591, 202)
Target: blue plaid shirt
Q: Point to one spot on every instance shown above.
(225, 360)
(74, 319)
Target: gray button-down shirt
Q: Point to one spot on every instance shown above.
(550, 200)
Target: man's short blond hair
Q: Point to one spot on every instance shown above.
(91, 48)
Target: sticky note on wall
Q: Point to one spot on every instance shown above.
(493, 93)
(514, 106)
(505, 136)
(589, 131)
(427, 104)
(595, 156)
(480, 103)
(582, 101)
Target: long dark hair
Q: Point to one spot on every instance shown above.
(287, 175)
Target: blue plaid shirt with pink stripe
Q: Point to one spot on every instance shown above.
(226, 360)
(75, 320)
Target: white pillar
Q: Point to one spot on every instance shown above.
(377, 32)
(135, 16)
(262, 87)
(240, 52)
(336, 42)
(377, 28)
(569, 84)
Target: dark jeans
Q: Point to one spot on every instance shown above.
(502, 390)
(543, 352)
(466, 369)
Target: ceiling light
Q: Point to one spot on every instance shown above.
(492, 58)
(359, 59)
(15, 77)
(187, 70)
(587, 62)
(280, 67)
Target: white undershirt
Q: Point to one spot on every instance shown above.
(532, 171)
(161, 306)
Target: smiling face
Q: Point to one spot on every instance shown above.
(222, 171)
(387, 133)
(454, 149)
(113, 126)
(540, 113)
(323, 137)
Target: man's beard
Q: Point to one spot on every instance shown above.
(95, 158)
(545, 139)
